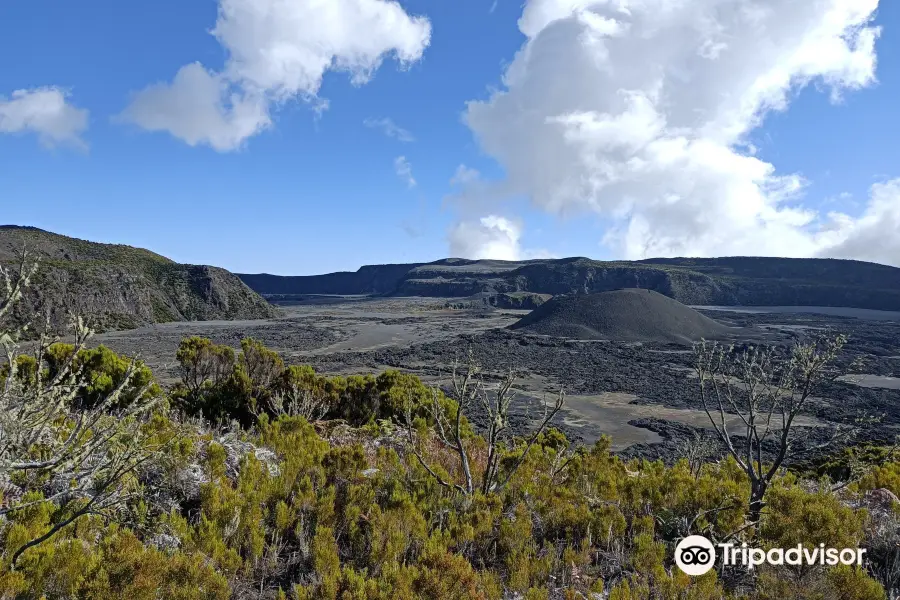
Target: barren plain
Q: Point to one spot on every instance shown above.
(641, 394)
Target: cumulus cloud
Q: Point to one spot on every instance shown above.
(46, 112)
(390, 129)
(198, 108)
(640, 111)
(491, 237)
(874, 235)
(404, 171)
(277, 51)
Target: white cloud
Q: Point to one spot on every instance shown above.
(640, 111)
(873, 236)
(465, 176)
(46, 112)
(491, 237)
(390, 129)
(198, 108)
(404, 171)
(277, 51)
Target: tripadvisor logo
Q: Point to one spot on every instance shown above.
(696, 555)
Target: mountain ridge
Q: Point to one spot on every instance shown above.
(125, 286)
(726, 281)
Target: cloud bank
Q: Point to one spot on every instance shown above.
(640, 111)
(277, 52)
(46, 112)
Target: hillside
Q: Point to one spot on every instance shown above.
(129, 287)
(631, 315)
(695, 281)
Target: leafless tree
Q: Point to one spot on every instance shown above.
(766, 389)
(696, 450)
(295, 400)
(82, 461)
(469, 389)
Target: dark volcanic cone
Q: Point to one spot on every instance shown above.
(636, 315)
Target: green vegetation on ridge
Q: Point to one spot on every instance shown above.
(124, 287)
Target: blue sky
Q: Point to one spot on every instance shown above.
(316, 192)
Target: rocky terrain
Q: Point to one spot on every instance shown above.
(641, 393)
(124, 287)
(716, 281)
(623, 357)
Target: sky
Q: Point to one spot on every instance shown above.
(312, 136)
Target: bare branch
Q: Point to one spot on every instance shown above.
(89, 451)
(755, 384)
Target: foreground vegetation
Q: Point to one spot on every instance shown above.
(254, 479)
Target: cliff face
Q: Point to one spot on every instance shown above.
(128, 287)
(374, 279)
(715, 281)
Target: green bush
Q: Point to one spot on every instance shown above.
(282, 511)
